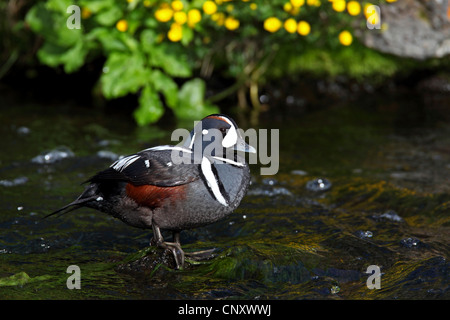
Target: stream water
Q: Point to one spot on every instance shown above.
(362, 183)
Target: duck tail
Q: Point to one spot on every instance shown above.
(78, 203)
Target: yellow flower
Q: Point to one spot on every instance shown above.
(230, 8)
(345, 38)
(287, 7)
(290, 25)
(391, 0)
(175, 33)
(163, 14)
(339, 5)
(180, 17)
(177, 5)
(313, 3)
(219, 18)
(353, 8)
(297, 3)
(253, 6)
(209, 7)
(193, 17)
(231, 23)
(303, 28)
(85, 13)
(272, 24)
(147, 3)
(122, 25)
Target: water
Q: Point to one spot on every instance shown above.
(359, 185)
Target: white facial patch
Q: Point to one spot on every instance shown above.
(212, 182)
(230, 138)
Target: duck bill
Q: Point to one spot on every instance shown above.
(241, 145)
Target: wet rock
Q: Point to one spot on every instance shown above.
(417, 29)
(53, 156)
(319, 184)
(15, 182)
(389, 215)
(23, 130)
(105, 154)
(299, 172)
(152, 259)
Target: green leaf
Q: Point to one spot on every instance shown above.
(109, 40)
(148, 40)
(72, 58)
(58, 5)
(171, 59)
(150, 108)
(191, 103)
(124, 73)
(52, 26)
(109, 17)
(97, 5)
(167, 86)
(188, 35)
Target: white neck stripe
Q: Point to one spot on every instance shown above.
(212, 182)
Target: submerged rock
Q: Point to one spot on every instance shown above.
(105, 154)
(15, 182)
(389, 215)
(53, 156)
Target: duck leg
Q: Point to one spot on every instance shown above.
(174, 247)
(196, 255)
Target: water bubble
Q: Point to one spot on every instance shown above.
(364, 234)
(319, 184)
(411, 243)
(269, 181)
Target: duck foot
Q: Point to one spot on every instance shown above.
(200, 255)
(174, 247)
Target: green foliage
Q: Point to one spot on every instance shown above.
(162, 50)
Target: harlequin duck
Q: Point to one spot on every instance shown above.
(174, 187)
